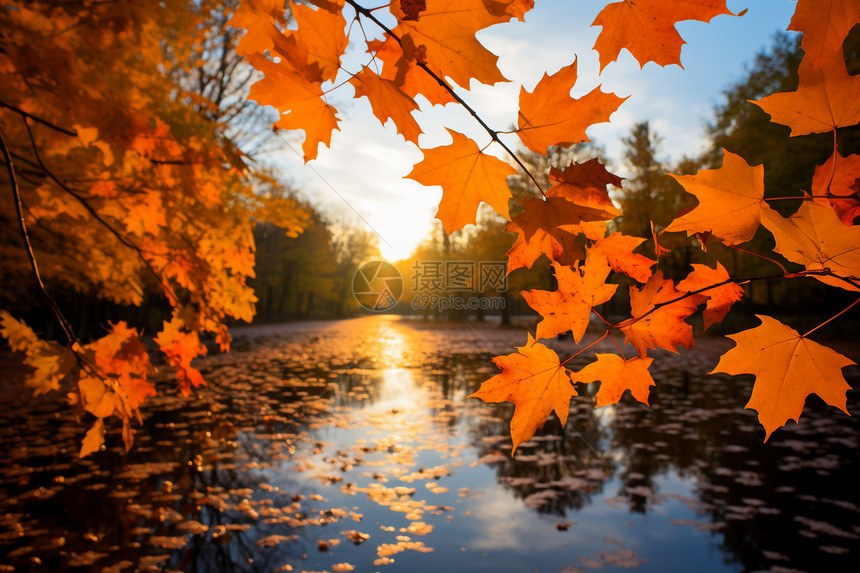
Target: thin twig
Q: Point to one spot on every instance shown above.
(44, 122)
(28, 247)
(95, 214)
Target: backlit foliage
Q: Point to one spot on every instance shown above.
(126, 189)
(430, 50)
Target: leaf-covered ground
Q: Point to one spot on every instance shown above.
(349, 446)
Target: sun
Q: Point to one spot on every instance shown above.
(400, 232)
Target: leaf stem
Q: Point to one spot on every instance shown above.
(837, 315)
(777, 263)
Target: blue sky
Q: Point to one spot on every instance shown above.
(361, 177)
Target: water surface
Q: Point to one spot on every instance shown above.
(350, 446)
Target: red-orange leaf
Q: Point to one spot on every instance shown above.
(301, 102)
(558, 246)
(467, 177)
(617, 375)
(788, 368)
(839, 179)
(720, 299)
(815, 238)
(825, 24)
(731, 201)
(536, 382)
(549, 116)
(665, 327)
(618, 250)
(646, 28)
(180, 348)
(556, 213)
(445, 34)
(388, 102)
(323, 35)
(569, 307)
(825, 99)
(589, 174)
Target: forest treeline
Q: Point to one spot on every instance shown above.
(165, 207)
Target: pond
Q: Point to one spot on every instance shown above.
(351, 446)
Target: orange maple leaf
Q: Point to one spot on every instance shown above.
(589, 174)
(569, 307)
(549, 116)
(618, 250)
(300, 102)
(825, 25)
(731, 201)
(617, 375)
(445, 33)
(388, 102)
(788, 367)
(646, 28)
(664, 327)
(825, 99)
(258, 17)
(323, 35)
(180, 348)
(815, 238)
(558, 246)
(720, 299)
(94, 438)
(467, 177)
(838, 176)
(400, 65)
(556, 213)
(536, 382)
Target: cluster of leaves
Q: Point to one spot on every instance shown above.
(432, 51)
(122, 187)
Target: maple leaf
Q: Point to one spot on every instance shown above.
(388, 102)
(838, 176)
(467, 177)
(825, 99)
(815, 238)
(617, 375)
(399, 65)
(258, 17)
(788, 367)
(558, 246)
(646, 28)
(534, 380)
(589, 174)
(180, 348)
(445, 31)
(731, 201)
(664, 327)
(569, 307)
(94, 438)
(97, 398)
(323, 35)
(549, 116)
(618, 250)
(825, 25)
(300, 102)
(556, 213)
(720, 299)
